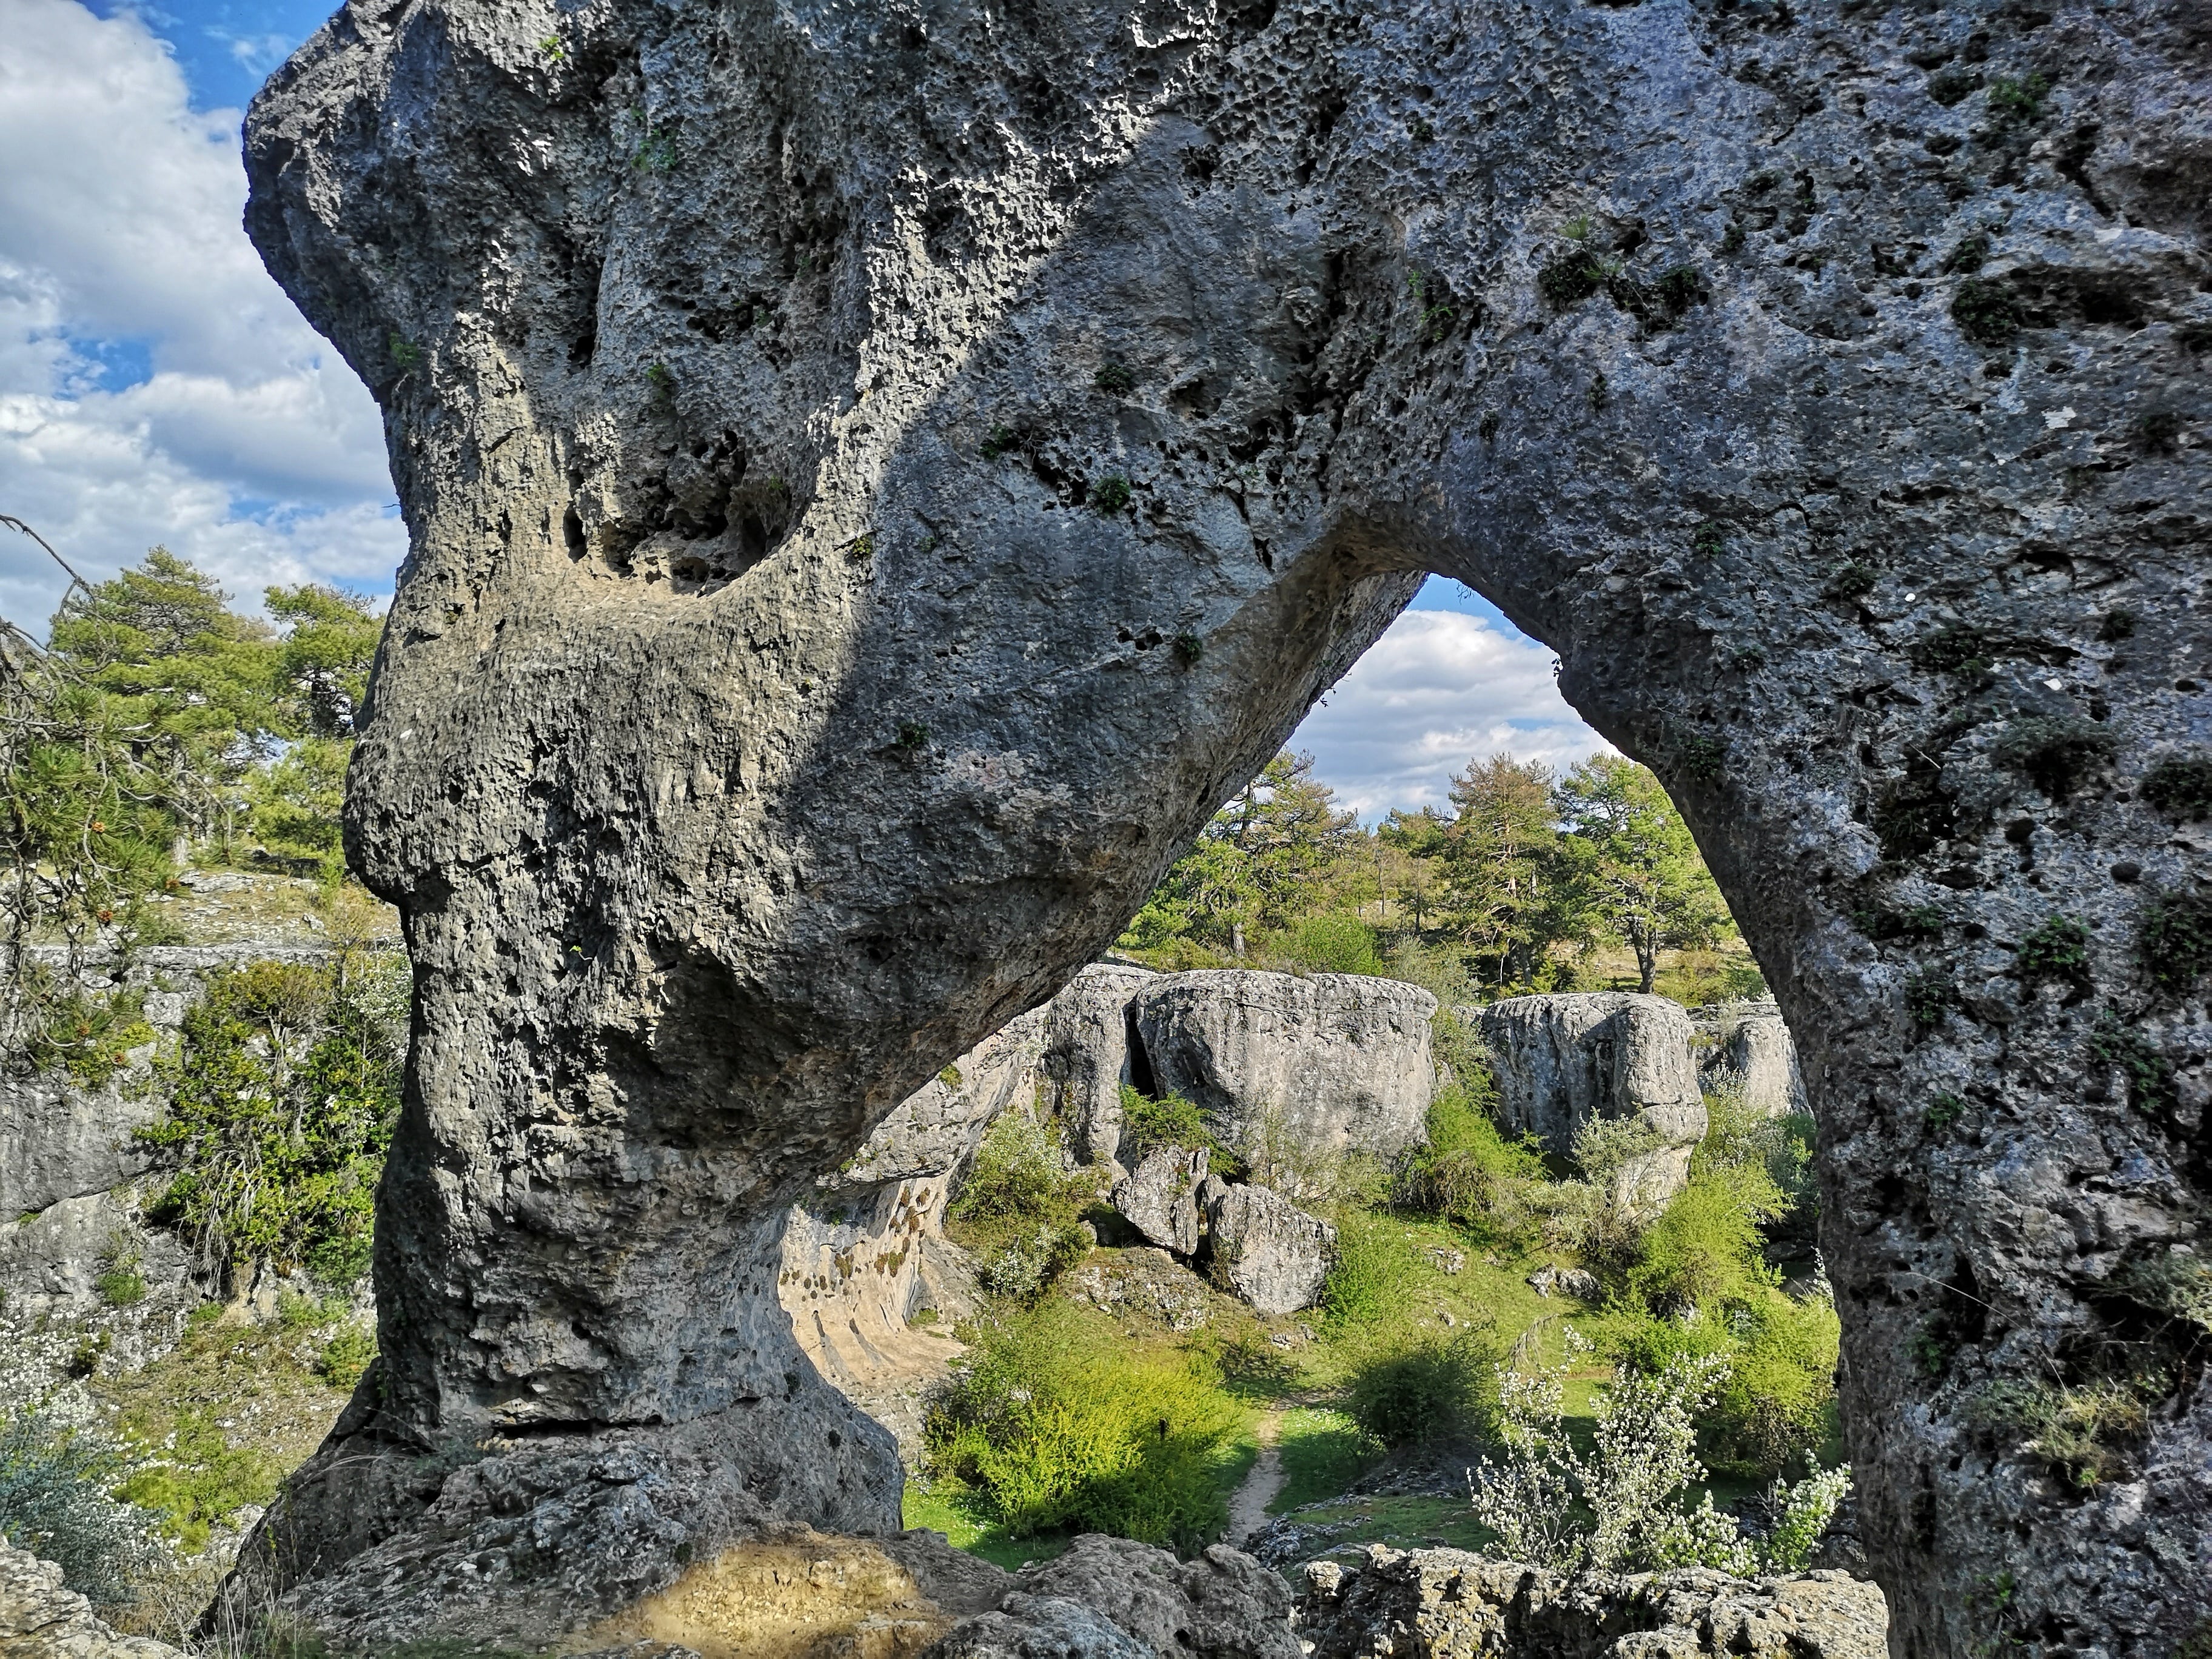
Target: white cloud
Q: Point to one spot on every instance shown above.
(155, 385)
(1439, 689)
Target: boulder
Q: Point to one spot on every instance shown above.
(1221, 1604)
(1443, 1603)
(1747, 1046)
(1086, 1057)
(41, 1618)
(1271, 1253)
(1563, 1062)
(1289, 1068)
(1159, 1197)
(1578, 1282)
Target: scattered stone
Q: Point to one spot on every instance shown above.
(1443, 1603)
(1565, 1061)
(1159, 1198)
(41, 1618)
(1575, 1282)
(1219, 1605)
(1271, 1253)
(1452, 1262)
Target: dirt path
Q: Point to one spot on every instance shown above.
(1248, 1509)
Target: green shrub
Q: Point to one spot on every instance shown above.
(1171, 1120)
(2174, 940)
(55, 1502)
(1334, 944)
(286, 1089)
(86, 1034)
(1052, 1421)
(346, 1356)
(1431, 1386)
(1365, 1284)
(1469, 1173)
(2182, 787)
(1705, 1251)
(2085, 1434)
(1020, 1208)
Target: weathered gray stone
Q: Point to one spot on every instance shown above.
(1271, 1253)
(781, 691)
(1747, 1046)
(41, 1618)
(1563, 1062)
(1329, 1064)
(1221, 1604)
(1086, 1057)
(1039, 1627)
(1578, 1282)
(1159, 1197)
(1444, 1604)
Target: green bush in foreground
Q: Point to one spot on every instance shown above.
(54, 1501)
(1429, 1386)
(1020, 1209)
(1053, 1422)
(1373, 1262)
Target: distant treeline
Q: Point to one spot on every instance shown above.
(1515, 888)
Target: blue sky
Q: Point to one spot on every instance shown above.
(155, 386)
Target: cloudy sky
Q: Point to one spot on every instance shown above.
(157, 386)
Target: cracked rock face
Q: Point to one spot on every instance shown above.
(876, 476)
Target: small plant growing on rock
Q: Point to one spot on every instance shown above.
(2020, 98)
(1110, 493)
(405, 353)
(1115, 380)
(1703, 758)
(1854, 581)
(1000, 440)
(1928, 996)
(1189, 649)
(2119, 624)
(1943, 1111)
(2174, 942)
(1985, 313)
(2054, 753)
(2180, 788)
(1709, 540)
(550, 48)
(2055, 952)
(1969, 257)
(2148, 1073)
(912, 734)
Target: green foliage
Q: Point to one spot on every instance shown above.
(87, 1035)
(1469, 1173)
(2174, 939)
(122, 1280)
(1053, 1421)
(203, 1479)
(1943, 1111)
(1569, 278)
(2019, 100)
(55, 1502)
(1854, 581)
(1709, 540)
(2084, 1434)
(1631, 865)
(2182, 787)
(1189, 649)
(1986, 313)
(1334, 944)
(912, 734)
(2058, 951)
(1171, 1120)
(1928, 996)
(2149, 1073)
(1972, 253)
(346, 1356)
(285, 1093)
(1373, 1260)
(2054, 754)
(1019, 1209)
(1115, 380)
(1110, 493)
(1425, 1386)
(1704, 1250)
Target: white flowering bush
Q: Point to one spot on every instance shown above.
(1624, 1506)
(55, 1502)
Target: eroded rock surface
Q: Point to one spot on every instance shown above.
(41, 1618)
(1748, 1045)
(1327, 1064)
(875, 479)
(1160, 1197)
(1442, 1604)
(1271, 1253)
(1564, 1062)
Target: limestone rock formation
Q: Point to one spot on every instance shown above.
(1442, 1604)
(875, 479)
(1747, 1046)
(1329, 1064)
(41, 1618)
(1086, 1057)
(1221, 1605)
(1563, 1062)
(1159, 1197)
(1271, 1253)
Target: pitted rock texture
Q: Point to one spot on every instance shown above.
(1221, 1605)
(1160, 1197)
(1445, 1604)
(1747, 1046)
(876, 478)
(1086, 1057)
(1271, 1253)
(41, 1618)
(1563, 1062)
(1332, 1063)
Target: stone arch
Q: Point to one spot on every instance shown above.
(877, 476)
